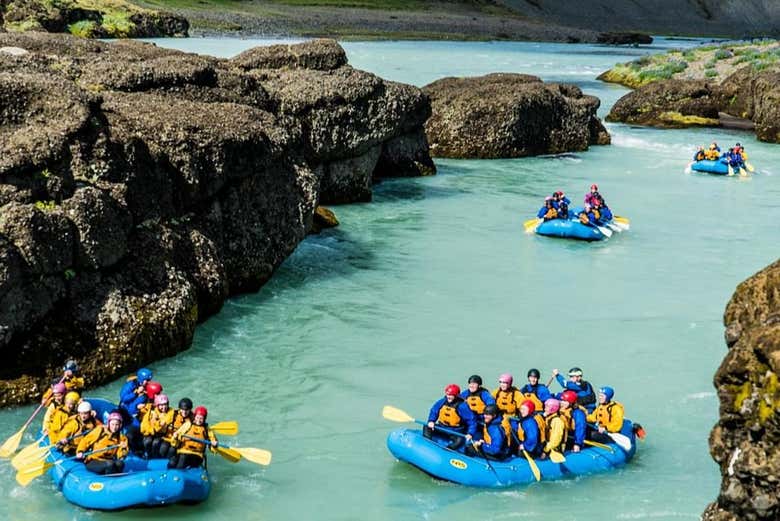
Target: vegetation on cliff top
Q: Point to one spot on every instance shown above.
(712, 62)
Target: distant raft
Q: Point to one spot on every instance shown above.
(434, 458)
(709, 166)
(142, 483)
(570, 229)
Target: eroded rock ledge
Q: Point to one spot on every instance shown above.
(510, 115)
(745, 441)
(140, 187)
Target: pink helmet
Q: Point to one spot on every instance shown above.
(160, 399)
(115, 416)
(58, 388)
(548, 198)
(506, 377)
(552, 404)
(594, 186)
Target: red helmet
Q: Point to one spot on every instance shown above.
(202, 411)
(153, 389)
(569, 396)
(594, 186)
(452, 389)
(530, 405)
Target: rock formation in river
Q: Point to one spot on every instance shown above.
(510, 115)
(140, 187)
(746, 440)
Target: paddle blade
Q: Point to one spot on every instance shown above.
(25, 460)
(533, 465)
(32, 448)
(749, 167)
(623, 441)
(259, 456)
(225, 428)
(229, 454)
(605, 231)
(743, 172)
(25, 476)
(731, 170)
(11, 444)
(599, 445)
(557, 457)
(621, 219)
(396, 415)
(531, 225)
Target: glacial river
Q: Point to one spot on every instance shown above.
(435, 280)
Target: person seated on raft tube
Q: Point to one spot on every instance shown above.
(111, 461)
(80, 425)
(154, 426)
(70, 380)
(561, 204)
(585, 394)
(601, 212)
(143, 404)
(576, 420)
(608, 416)
(494, 442)
(61, 415)
(699, 155)
(531, 430)
(182, 415)
(452, 413)
(189, 452)
(548, 211)
(133, 391)
(712, 153)
(739, 149)
(588, 216)
(476, 396)
(734, 159)
(593, 196)
(57, 395)
(556, 432)
(507, 396)
(534, 391)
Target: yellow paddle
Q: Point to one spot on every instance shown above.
(749, 167)
(26, 459)
(26, 474)
(234, 454)
(531, 224)
(534, 468)
(11, 444)
(557, 457)
(600, 445)
(229, 428)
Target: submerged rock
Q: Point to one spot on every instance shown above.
(620, 38)
(746, 440)
(140, 187)
(510, 115)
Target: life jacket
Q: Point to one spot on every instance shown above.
(448, 414)
(76, 427)
(548, 424)
(155, 423)
(57, 420)
(188, 446)
(74, 383)
(47, 415)
(568, 416)
(99, 439)
(604, 415)
(584, 218)
(475, 401)
(587, 399)
(175, 425)
(699, 156)
(539, 419)
(506, 401)
(551, 213)
(507, 428)
(537, 402)
(596, 213)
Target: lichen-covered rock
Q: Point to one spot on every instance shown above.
(624, 38)
(349, 180)
(45, 238)
(744, 443)
(323, 218)
(321, 55)
(669, 104)
(508, 115)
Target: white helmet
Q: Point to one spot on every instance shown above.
(84, 407)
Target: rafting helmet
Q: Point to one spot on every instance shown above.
(452, 390)
(491, 409)
(71, 366)
(506, 377)
(202, 411)
(144, 374)
(575, 371)
(115, 416)
(84, 406)
(185, 403)
(534, 372)
(530, 405)
(475, 378)
(594, 186)
(569, 396)
(153, 389)
(58, 388)
(72, 396)
(609, 392)
(552, 404)
(161, 399)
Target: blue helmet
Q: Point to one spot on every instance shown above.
(144, 374)
(72, 366)
(609, 392)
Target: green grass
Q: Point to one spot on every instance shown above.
(710, 73)
(83, 28)
(117, 25)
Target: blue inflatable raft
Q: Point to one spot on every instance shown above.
(142, 483)
(708, 166)
(432, 457)
(570, 229)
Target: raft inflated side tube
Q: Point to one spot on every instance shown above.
(710, 166)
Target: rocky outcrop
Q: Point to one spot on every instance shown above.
(669, 104)
(510, 115)
(618, 38)
(745, 441)
(140, 187)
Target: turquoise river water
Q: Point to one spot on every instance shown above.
(435, 280)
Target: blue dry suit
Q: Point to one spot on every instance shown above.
(498, 446)
(734, 159)
(129, 400)
(542, 212)
(585, 395)
(468, 422)
(580, 426)
(565, 201)
(540, 390)
(531, 443)
(606, 213)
